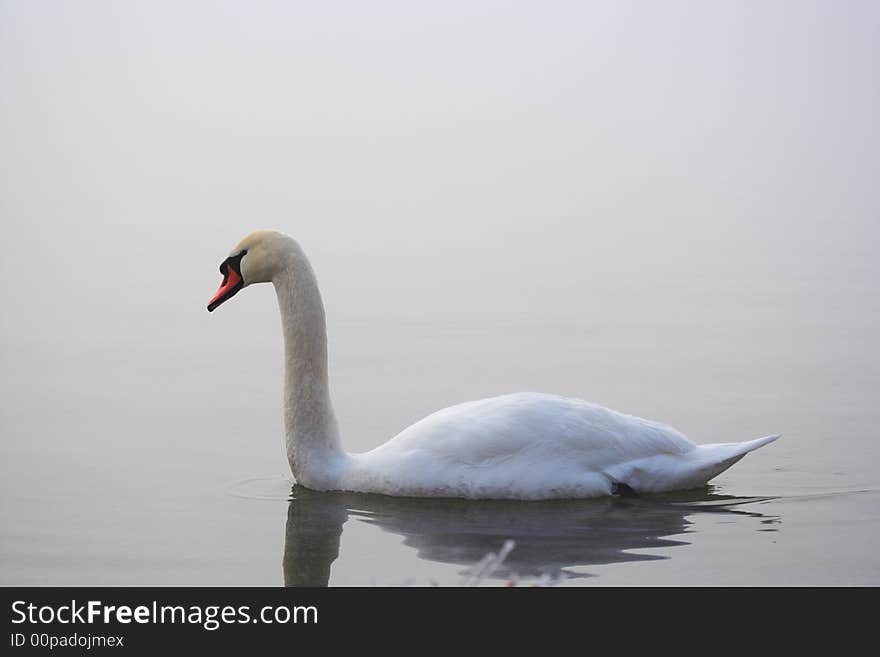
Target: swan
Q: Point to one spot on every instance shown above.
(527, 446)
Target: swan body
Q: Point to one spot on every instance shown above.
(521, 446)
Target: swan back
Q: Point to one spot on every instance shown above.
(525, 445)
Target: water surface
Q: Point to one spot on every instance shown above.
(122, 467)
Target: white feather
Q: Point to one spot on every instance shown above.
(523, 446)
(536, 446)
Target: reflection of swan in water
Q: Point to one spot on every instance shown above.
(550, 536)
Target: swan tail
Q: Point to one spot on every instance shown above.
(691, 469)
(709, 461)
(752, 445)
(735, 450)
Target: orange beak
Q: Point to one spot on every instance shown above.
(232, 283)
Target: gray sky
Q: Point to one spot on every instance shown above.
(430, 159)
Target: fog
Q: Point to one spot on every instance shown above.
(438, 158)
(451, 169)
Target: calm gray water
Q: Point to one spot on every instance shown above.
(126, 463)
(671, 211)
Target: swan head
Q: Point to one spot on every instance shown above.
(255, 259)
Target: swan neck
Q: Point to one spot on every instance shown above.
(311, 431)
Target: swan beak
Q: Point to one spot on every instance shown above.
(232, 283)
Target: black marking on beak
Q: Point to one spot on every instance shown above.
(233, 281)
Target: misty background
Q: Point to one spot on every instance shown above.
(669, 209)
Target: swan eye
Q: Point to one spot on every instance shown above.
(235, 261)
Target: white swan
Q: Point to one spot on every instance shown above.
(521, 446)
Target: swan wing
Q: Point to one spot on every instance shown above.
(481, 432)
(525, 445)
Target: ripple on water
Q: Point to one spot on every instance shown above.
(275, 488)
